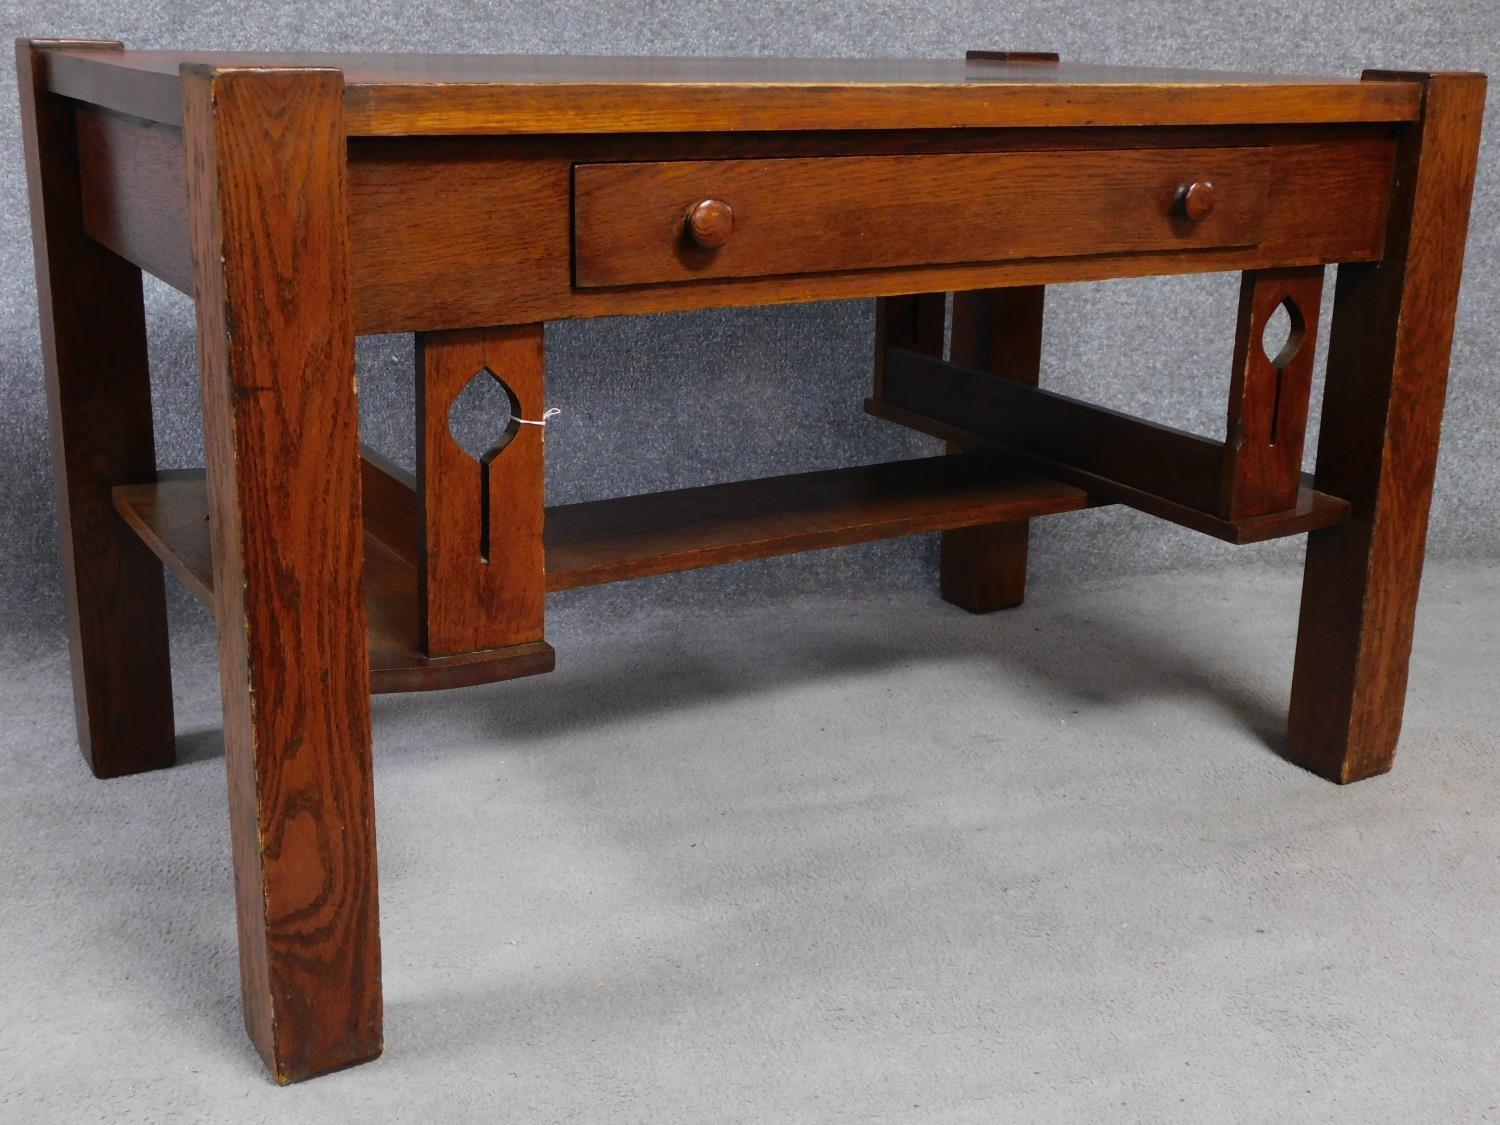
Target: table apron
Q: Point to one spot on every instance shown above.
(479, 231)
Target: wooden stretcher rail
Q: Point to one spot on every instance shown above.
(1157, 469)
(1171, 463)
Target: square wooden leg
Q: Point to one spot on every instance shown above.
(267, 188)
(983, 569)
(99, 401)
(1387, 370)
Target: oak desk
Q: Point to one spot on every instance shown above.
(302, 199)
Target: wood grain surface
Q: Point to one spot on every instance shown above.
(630, 537)
(99, 412)
(479, 231)
(1268, 394)
(1312, 511)
(1171, 463)
(268, 197)
(609, 540)
(481, 563)
(1382, 411)
(983, 569)
(917, 321)
(453, 233)
(410, 94)
(871, 212)
(480, 196)
(171, 517)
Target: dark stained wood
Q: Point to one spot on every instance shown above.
(700, 183)
(171, 516)
(472, 232)
(483, 237)
(840, 213)
(135, 192)
(710, 223)
(268, 200)
(1011, 56)
(1000, 331)
(635, 536)
(393, 556)
(393, 512)
(1313, 509)
(1173, 464)
(389, 499)
(99, 407)
(1268, 395)
(397, 661)
(632, 537)
(481, 563)
(1165, 471)
(1256, 472)
(983, 569)
(918, 322)
(1387, 371)
(610, 540)
(1198, 199)
(409, 94)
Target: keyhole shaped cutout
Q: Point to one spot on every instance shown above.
(483, 418)
(1284, 331)
(1282, 337)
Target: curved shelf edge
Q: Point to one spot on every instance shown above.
(171, 517)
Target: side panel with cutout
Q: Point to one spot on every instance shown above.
(482, 579)
(1269, 391)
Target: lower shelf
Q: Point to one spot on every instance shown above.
(171, 517)
(662, 532)
(632, 537)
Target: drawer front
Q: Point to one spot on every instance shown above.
(759, 218)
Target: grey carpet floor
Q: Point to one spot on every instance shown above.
(822, 861)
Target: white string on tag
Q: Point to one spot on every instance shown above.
(550, 412)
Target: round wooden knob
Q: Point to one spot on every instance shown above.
(710, 223)
(1197, 200)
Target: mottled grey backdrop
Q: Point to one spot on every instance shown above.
(678, 400)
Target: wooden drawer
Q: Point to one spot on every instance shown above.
(821, 214)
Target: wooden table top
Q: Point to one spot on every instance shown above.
(407, 94)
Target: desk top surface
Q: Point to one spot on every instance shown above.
(401, 94)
